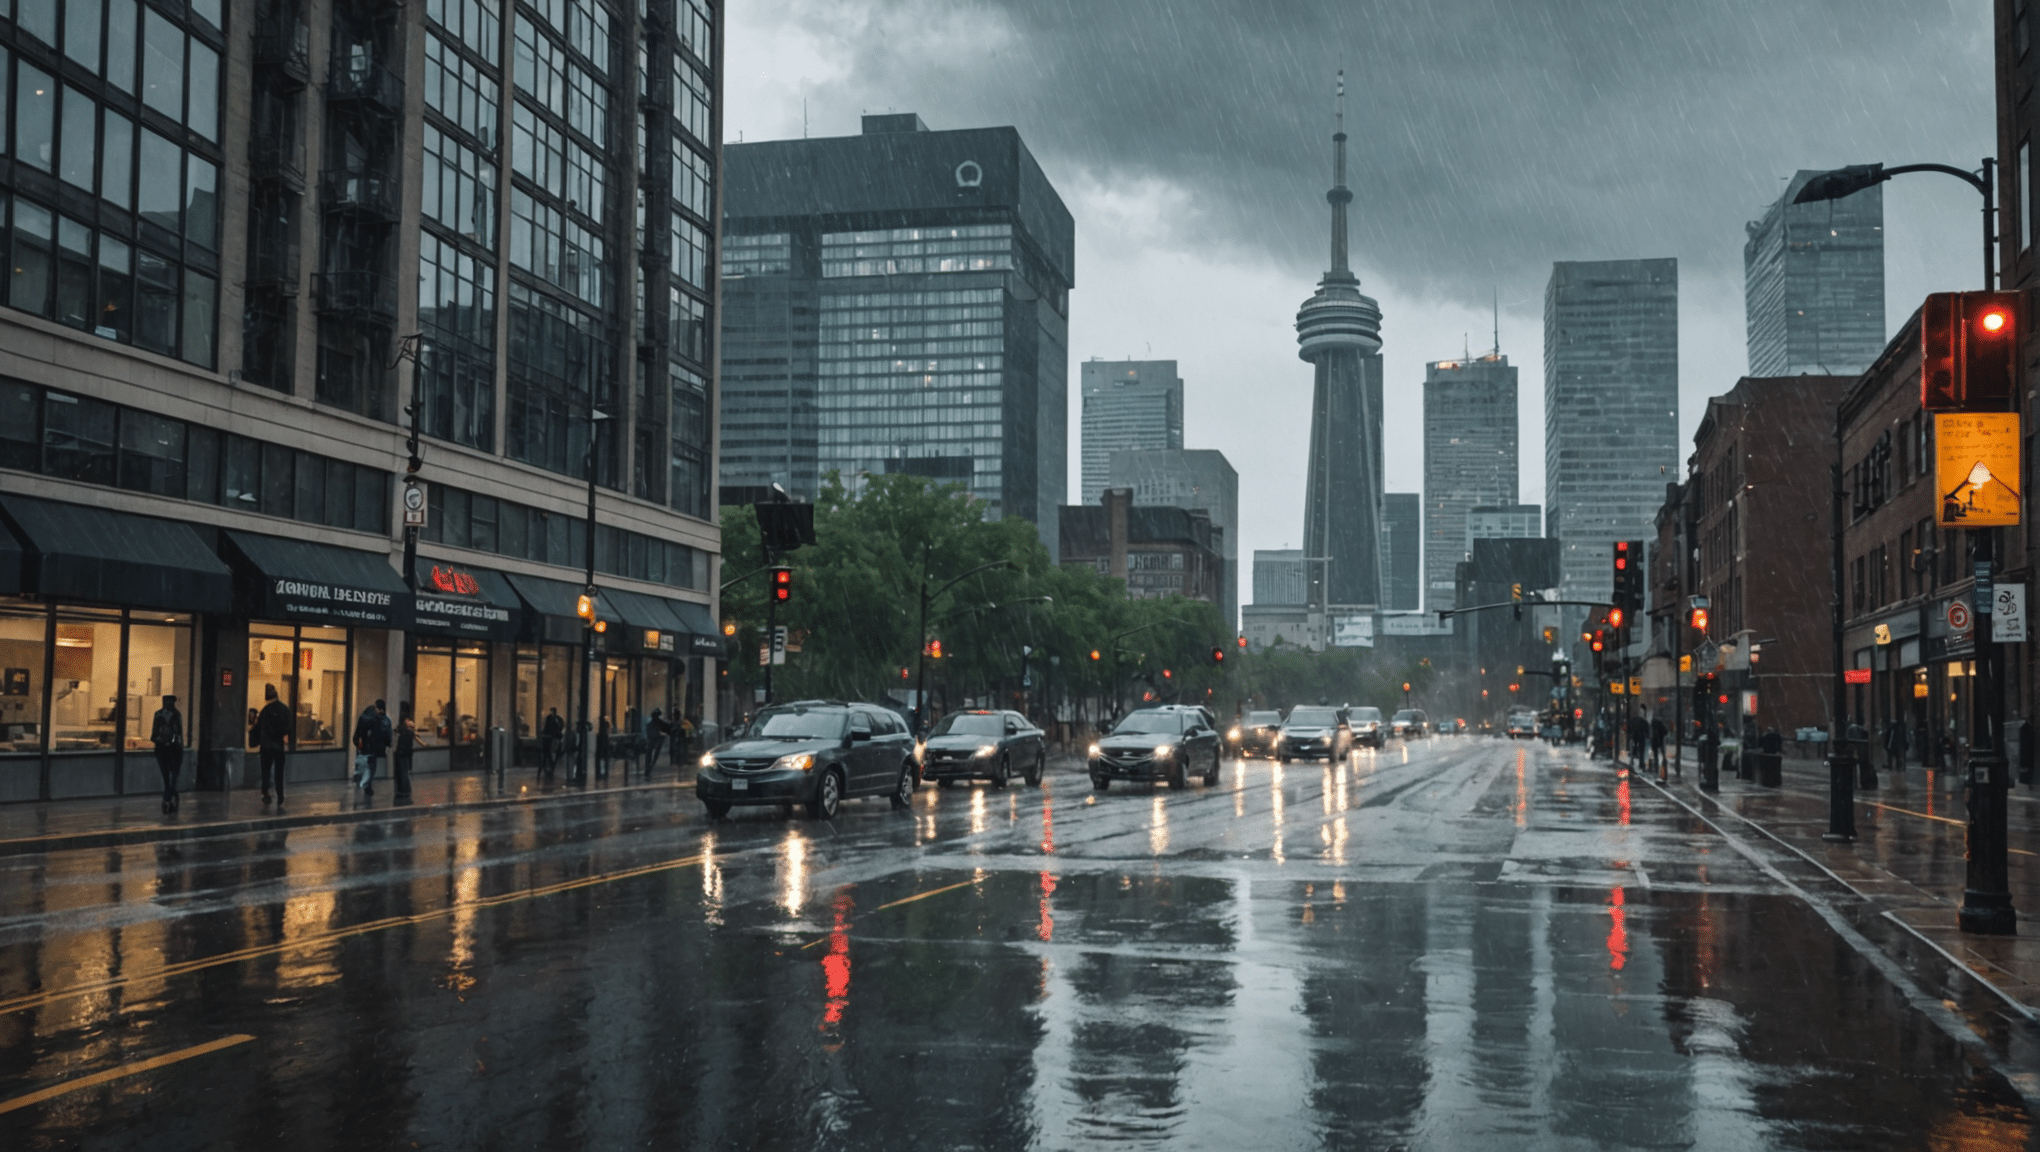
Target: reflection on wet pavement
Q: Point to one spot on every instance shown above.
(1460, 944)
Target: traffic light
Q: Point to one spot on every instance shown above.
(1243, 640)
(1168, 675)
(1218, 655)
(1600, 639)
(934, 649)
(1516, 596)
(1615, 617)
(1550, 634)
(782, 584)
(584, 607)
(1620, 576)
(1700, 619)
(1969, 352)
(1094, 654)
(1626, 574)
(903, 673)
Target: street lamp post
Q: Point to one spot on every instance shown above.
(1986, 895)
(586, 750)
(921, 672)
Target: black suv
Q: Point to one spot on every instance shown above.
(981, 745)
(814, 752)
(1157, 744)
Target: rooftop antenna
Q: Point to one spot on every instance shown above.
(1498, 319)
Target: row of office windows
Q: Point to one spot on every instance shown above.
(922, 373)
(97, 282)
(123, 42)
(462, 519)
(91, 441)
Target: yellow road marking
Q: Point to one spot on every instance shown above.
(925, 895)
(124, 1070)
(186, 967)
(1942, 819)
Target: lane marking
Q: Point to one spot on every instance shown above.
(186, 967)
(1939, 819)
(124, 1070)
(1641, 875)
(925, 895)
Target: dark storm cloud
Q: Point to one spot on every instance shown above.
(1489, 136)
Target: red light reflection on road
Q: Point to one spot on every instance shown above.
(1622, 799)
(1618, 932)
(1047, 929)
(1047, 823)
(836, 963)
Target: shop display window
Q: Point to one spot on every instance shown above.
(452, 702)
(309, 669)
(619, 696)
(158, 665)
(22, 637)
(529, 715)
(656, 692)
(85, 682)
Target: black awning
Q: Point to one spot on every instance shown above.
(455, 600)
(649, 625)
(551, 603)
(309, 583)
(76, 552)
(704, 638)
(11, 560)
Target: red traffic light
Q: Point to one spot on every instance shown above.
(903, 673)
(1094, 654)
(1969, 358)
(1700, 619)
(782, 584)
(1166, 674)
(1217, 655)
(1615, 617)
(1243, 641)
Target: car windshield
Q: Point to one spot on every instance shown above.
(1163, 722)
(970, 724)
(1364, 714)
(1313, 718)
(799, 724)
(1405, 716)
(1260, 718)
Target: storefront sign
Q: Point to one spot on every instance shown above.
(2008, 615)
(1976, 469)
(1958, 616)
(463, 603)
(311, 599)
(706, 646)
(1855, 675)
(455, 581)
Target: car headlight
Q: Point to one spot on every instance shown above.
(1164, 751)
(708, 760)
(920, 753)
(984, 750)
(1095, 750)
(798, 760)
(1233, 735)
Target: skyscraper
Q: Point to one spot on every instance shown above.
(1128, 404)
(918, 284)
(1196, 479)
(1470, 457)
(1611, 408)
(1402, 514)
(1338, 331)
(1813, 284)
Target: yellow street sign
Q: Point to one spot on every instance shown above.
(1976, 469)
(1685, 663)
(1617, 687)
(1636, 685)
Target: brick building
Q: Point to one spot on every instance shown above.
(1159, 551)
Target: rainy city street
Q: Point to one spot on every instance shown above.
(1451, 943)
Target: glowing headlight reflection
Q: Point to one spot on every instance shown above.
(984, 750)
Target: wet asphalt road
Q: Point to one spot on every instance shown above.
(1460, 944)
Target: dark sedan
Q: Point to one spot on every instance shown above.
(984, 746)
(1157, 744)
(1255, 734)
(817, 753)
(1311, 733)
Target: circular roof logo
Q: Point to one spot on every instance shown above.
(969, 174)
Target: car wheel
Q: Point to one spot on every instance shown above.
(716, 809)
(944, 782)
(903, 792)
(1282, 759)
(1211, 777)
(1040, 765)
(1100, 783)
(828, 796)
(1180, 778)
(1000, 772)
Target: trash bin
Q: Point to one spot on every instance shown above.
(499, 749)
(1770, 769)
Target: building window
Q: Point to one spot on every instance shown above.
(456, 364)
(309, 669)
(898, 251)
(459, 90)
(451, 704)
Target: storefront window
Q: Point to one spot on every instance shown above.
(657, 693)
(308, 668)
(619, 700)
(272, 652)
(85, 681)
(22, 637)
(159, 665)
(451, 705)
(556, 684)
(526, 704)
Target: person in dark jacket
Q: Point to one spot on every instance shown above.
(371, 739)
(400, 762)
(602, 750)
(655, 738)
(275, 734)
(551, 735)
(166, 732)
(1639, 737)
(1897, 742)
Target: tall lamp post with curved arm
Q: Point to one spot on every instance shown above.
(1986, 895)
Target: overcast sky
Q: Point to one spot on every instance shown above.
(1191, 141)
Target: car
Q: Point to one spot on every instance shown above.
(1311, 732)
(1254, 733)
(1162, 743)
(1410, 724)
(816, 753)
(1522, 726)
(1367, 726)
(983, 745)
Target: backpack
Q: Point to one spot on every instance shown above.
(166, 729)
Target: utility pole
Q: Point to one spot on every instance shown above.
(589, 625)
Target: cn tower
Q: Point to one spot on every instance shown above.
(1339, 332)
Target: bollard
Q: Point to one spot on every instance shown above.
(1866, 773)
(1771, 769)
(1841, 799)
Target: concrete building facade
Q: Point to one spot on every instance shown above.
(916, 282)
(1611, 409)
(1198, 480)
(1402, 550)
(1470, 457)
(1503, 522)
(1813, 284)
(1128, 405)
(254, 244)
(1278, 576)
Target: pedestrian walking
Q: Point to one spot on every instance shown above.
(685, 747)
(1639, 737)
(656, 731)
(1896, 745)
(602, 750)
(166, 732)
(400, 760)
(372, 737)
(551, 735)
(1658, 732)
(274, 734)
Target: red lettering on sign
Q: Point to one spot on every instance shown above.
(1855, 675)
(452, 580)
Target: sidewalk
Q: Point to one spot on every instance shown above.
(104, 821)
(1908, 861)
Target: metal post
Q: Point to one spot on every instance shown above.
(585, 749)
(1841, 763)
(1986, 891)
(921, 660)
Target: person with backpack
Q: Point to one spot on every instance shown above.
(166, 732)
(273, 735)
(371, 739)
